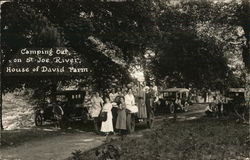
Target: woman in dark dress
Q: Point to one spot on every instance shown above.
(148, 101)
(121, 117)
(142, 111)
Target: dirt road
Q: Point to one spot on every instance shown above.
(56, 148)
(61, 147)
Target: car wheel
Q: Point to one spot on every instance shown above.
(171, 108)
(130, 123)
(85, 117)
(38, 120)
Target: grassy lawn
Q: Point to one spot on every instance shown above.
(198, 139)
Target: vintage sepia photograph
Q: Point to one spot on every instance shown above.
(125, 80)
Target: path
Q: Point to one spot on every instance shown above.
(61, 147)
(56, 148)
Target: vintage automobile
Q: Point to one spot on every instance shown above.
(173, 99)
(71, 103)
(235, 100)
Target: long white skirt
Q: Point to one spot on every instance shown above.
(107, 126)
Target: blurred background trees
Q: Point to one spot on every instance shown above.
(198, 43)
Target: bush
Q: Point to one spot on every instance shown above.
(76, 155)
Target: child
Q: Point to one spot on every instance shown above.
(107, 126)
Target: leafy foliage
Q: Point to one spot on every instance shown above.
(201, 41)
(76, 155)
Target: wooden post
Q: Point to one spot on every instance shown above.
(246, 51)
(247, 95)
(53, 89)
(1, 102)
(1, 124)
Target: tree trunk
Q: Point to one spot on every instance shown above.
(245, 19)
(1, 102)
(1, 124)
(53, 89)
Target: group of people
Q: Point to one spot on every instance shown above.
(215, 108)
(118, 103)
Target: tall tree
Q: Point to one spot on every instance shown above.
(214, 23)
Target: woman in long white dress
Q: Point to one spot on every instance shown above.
(96, 107)
(130, 102)
(107, 126)
(95, 110)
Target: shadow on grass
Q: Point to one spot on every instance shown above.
(203, 138)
